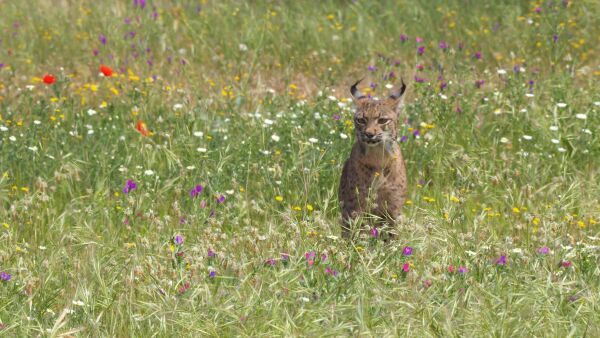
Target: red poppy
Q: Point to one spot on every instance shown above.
(49, 79)
(106, 70)
(141, 127)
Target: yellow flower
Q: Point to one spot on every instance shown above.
(309, 207)
(535, 221)
(297, 208)
(455, 199)
(279, 198)
(516, 210)
(408, 202)
(360, 248)
(6, 225)
(581, 224)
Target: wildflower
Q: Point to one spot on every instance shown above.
(477, 55)
(407, 251)
(581, 116)
(279, 198)
(543, 250)
(130, 185)
(406, 267)
(479, 83)
(178, 240)
(210, 253)
(501, 260)
(554, 37)
(141, 127)
(421, 50)
(371, 68)
(184, 287)
(102, 39)
(323, 257)
(271, 262)
(451, 268)
(310, 255)
(106, 70)
(220, 199)
(4, 276)
(419, 79)
(330, 271)
(49, 79)
(427, 283)
(418, 39)
(561, 105)
(566, 264)
(404, 138)
(196, 191)
(212, 274)
(463, 269)
(443, 45)
(374, 232)
(420, 66)
(403, 38)
(140, 3)
(285, 257)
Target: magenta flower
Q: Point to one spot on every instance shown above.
(406, 267)
(451, 268)
(419, 79)
(330, 271)
(479, 83)
(323, 257)
(407, 251)
(462, 269)
(566, 264)
(421, 50)
(443, 45)
(220, 199)
(211, 253)
(140, 3)
(184, 287)
(178, 240)
(271, 262)
(418, 39)
(477, 55)
(196, 191)
(130, 185)
(310, 255)
(403, 38)
(543, 250)
(420, 66)
(501, 260)
(374, 232)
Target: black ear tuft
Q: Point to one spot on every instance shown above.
(398, 94)
(355, 92)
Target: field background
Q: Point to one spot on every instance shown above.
(250, 100)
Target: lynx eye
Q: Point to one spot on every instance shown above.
(361, 120)
(383, 121)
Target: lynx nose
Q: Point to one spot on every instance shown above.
(369, 135)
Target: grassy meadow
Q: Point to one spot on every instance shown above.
(170, 168)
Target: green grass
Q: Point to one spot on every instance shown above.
(244, 99)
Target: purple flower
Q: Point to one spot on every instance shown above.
(372, 68)
(538, 9)
(1, 65)
(178, 240)
(336, 117)
(374, 232)
(419, 79)
(271, 262)
(196, 191)
(310, 255)
(566, 264)
(403, 38)
(407, 251)
(477, 55)
(462, 269)
(501, 260)
(516, 69)
(479, 83)
(285, 256)
(391, 75)
(330, 271)
(443, 85)
(554, 37)
(140, 3)
(421, 50)
(416, 133)
(5, 276)
(102, 39)
(211, 253)
(212, 274)
(130, 185)
(543, 250)
(323, 257)
(373, 85)
(443, 45)
(221, 199)
(404, 138)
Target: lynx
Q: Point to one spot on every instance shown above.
(374, 177)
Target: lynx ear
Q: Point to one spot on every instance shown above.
(356, 94)
(396, 97)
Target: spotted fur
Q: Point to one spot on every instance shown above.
(373, 179)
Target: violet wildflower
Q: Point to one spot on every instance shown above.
(501, 260)
(443, 85)
(373, 85)
(407, 251)
(403, 38)
(1, 65)
(271, 262)
(543, 250)
(421, 50)
(196, 191)
(374, 232)
(419, 79)
(140, 3)
(285, 257)
(420, 66)
(416, 133)
(458, 109)
(404, 138)
(178, 239)
(102, 39)
(443, 45)
(391, 75)
(182, 220)
(516, 69)
(330, 271)
(310, 255)
(130, 185)
(554, 37)
(211, 253)
(323, 257)
(463, 269)
(212, 274)
(372, 68)
(477, 55)
(538, 9)
(4, 276)
(336, 117)
(221, 199)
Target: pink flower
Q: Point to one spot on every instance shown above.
(418, 39)
(451, 268)
(566, 264)
(406, 267)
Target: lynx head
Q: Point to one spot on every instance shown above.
(375, 120)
